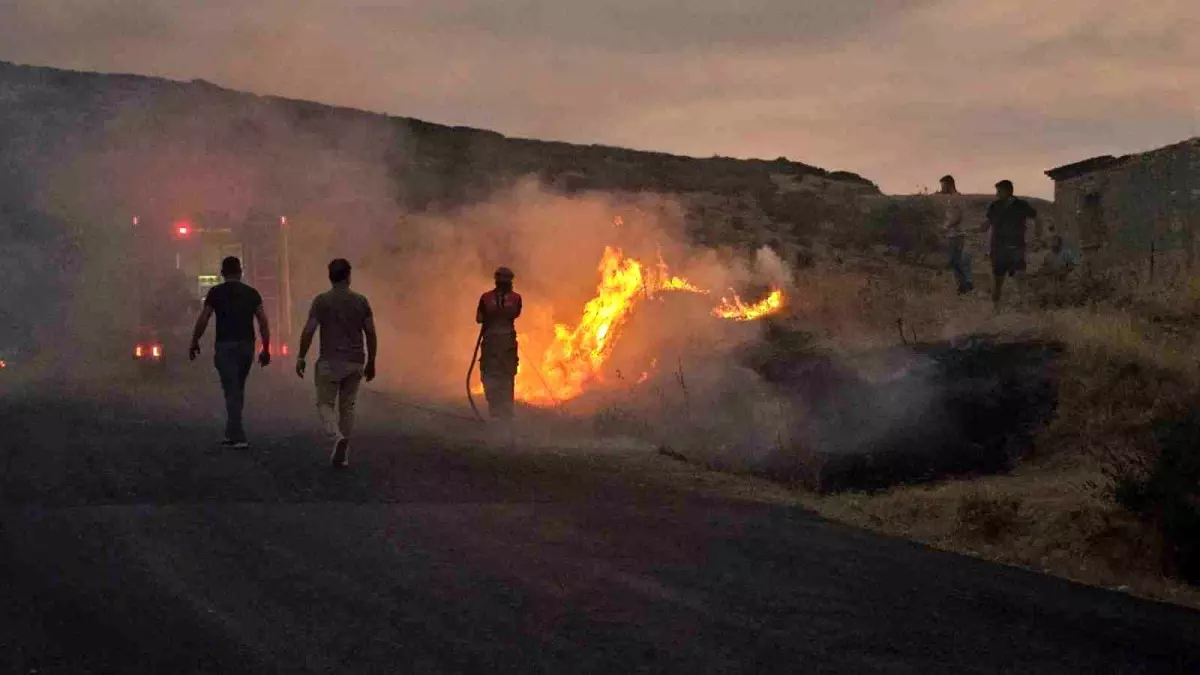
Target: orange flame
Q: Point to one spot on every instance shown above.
(575, 359)
(666, 282)
(740, 311)
(679, 284)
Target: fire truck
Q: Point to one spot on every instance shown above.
(173, 286)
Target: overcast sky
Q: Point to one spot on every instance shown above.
(901, 91)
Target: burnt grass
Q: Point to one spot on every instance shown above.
(971, 407)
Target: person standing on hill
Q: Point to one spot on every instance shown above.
(236, 305)
(1007, 218)
(952, 217)
(1057, 265)
(345, 320)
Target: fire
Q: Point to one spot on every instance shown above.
(576, 357)
(678, 284)
(667, 282)
(740, 311)
(577, 354)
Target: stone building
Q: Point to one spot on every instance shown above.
(1121, 209)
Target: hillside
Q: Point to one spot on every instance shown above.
(85, 146)
(48, 116)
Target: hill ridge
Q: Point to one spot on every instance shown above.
(131, 83)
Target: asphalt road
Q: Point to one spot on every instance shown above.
(130, 544)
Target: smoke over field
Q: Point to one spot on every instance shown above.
(410, 211)
(562, 248)
(627, 319)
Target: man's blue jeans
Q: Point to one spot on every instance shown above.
(233, 361)
(960, 263)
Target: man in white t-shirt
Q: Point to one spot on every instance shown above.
(952, 210)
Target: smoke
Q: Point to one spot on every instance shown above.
(360, 187)
(115, 148)
(770, 268)
(426, 287)
(425, 217)
(424, 220)
(422, 223)
(420, 226)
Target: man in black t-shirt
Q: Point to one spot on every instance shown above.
(236, 306)
(1006, 218)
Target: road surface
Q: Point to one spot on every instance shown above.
(130, 544)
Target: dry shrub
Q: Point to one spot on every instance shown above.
(906, 226)
(1164, 491)
(1120, 379)
(1039, 517)
(989, 516)
(1120, 336)
(857, 302)
(1129, 365)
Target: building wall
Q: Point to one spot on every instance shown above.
(1148, 202)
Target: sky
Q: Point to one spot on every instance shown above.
(899, 91)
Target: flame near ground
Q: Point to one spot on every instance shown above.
(574, 362)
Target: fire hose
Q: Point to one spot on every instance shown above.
(470, 371)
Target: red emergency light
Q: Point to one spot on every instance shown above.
(283, 349)
(153, 351)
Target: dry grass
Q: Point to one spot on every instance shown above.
(1124, 370)
(1129, 363)
(1053, 520)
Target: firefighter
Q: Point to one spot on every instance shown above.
(497, 311)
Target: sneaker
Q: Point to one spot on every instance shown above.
(241, 445)
(227, 443)
(339, 459)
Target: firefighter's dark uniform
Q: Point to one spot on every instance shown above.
(497, 311)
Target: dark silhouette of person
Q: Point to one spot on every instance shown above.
(1007, 218)
(236, 306)
(496, 313)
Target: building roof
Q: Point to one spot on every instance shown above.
(1087, 166)
(1083, 167)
